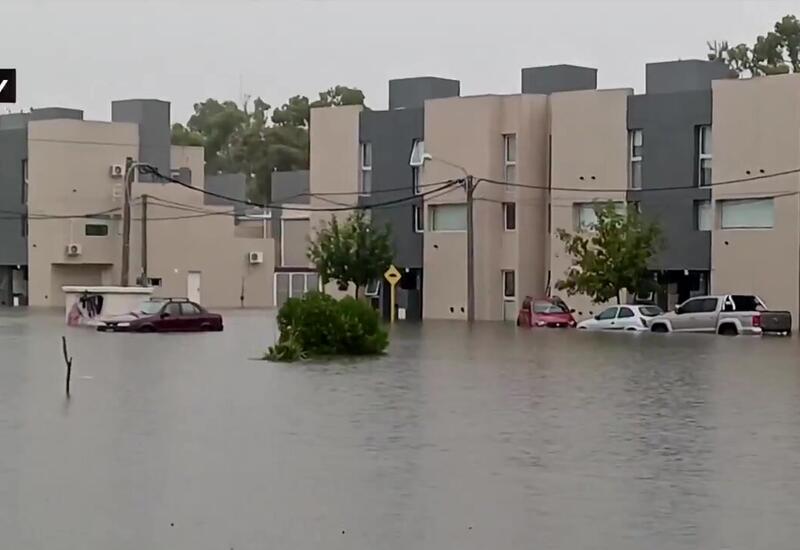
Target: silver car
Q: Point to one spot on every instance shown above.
(726, 314)
(623, 317)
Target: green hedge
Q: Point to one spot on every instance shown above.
(318, 325)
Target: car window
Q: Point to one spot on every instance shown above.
(692, 306)
(190, 309)
(546, 307)
(609, 313)
(173, 309)
(625, 312)
(151, 308)
(707, 305)
(650, 311)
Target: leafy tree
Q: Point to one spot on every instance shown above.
(181, 135)
(613, 257)
(776, 53)
(351, 252)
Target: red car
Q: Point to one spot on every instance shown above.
(165, 315)
(545, 312)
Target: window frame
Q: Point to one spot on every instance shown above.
(509, 161)
(419, 218)
(510, 207)
(508, 297)
(434, 208)
(698, 208)
(101, 234)
(599, 317)
(365, 154)
(579, 207)
(416, 179)
(722, 203)
(702, 155)
(197, 309)
(628, 309)
(634, 159)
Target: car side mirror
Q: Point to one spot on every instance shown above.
(164, 315)
(677, 309)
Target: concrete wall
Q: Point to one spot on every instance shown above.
(290, 186)
(294, 241)
(152, 117)
(391, 134)
(13, 151)
(589, 154)
(686, 75)
(411, 93)
(754, 138)
(229, 185)
(558, 78)
(669, 131)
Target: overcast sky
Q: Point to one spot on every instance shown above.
(83, 54)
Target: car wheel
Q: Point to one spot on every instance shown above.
(728, 330)
(660, 327)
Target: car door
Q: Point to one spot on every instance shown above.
(625, 318)
(605, 319)
(705, 320)
(170, 318)
(193, 317)
(684, 318)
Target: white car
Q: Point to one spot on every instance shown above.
(622, 317)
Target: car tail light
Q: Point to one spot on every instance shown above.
(756, 320)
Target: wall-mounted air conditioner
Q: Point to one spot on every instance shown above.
(116, 170)
(256, 257)
(74, 249)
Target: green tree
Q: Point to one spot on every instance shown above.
(777, 52)
(611, 258)
(351, 252)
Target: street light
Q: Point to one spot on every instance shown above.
(470, 188)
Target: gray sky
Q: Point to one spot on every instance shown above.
(83, 54)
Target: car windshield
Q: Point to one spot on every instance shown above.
(650, 311)
(547, 307)
(150, 308)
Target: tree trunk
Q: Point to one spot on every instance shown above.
(357, 287)
(618, 299)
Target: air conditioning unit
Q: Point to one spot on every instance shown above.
(256, 257)
(116, 170)
(74, 249)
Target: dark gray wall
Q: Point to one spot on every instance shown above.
(411, 93)
(558, 78)
(152, 116)
(230, 185)
(684, 76)
(13, 150)
(392, 134)
(669, 131)
(52, 113)
(286, 186)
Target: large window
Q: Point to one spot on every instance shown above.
(509, 284)
(510, 216)
(448, 217)
(586, 214)
(510, 158)
(365, 185)
(747, 214)
(637, 148)
(419, 219)
(293, 285)
(416, 161)
(96, 230)
(704, 155)
(702, 215)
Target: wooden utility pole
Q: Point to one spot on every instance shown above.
(470, 252)
(144, 241)
(126, 224)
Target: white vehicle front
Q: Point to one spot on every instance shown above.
(623, 317)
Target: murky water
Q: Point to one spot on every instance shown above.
(468, 439)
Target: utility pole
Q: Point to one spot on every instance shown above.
(126, 223)
(470, 251)
(144, 241)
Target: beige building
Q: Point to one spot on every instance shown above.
(193, 249)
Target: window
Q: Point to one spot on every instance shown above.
(154, 281)
(708, 305)
(702, 215)
(510, 157)
(586, 214)
(417, 153)
(543, 306)
(190, 309)
(692, 306)
(23, 220)
(173, 309)
(365, 187)
(509, 285)
(609, 313)
(747, 214)
(704, 155)
(373, 288)
(419, 219)
(637, 148)
(448, 217)
(625, 312)
(416, 183)
(746, 303)
(510, 216)
(24, 181)
(96, 230)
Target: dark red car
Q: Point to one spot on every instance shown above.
(545, 312)
(165, 315)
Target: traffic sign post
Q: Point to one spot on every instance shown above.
(393, 277)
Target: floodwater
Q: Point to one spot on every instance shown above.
(489, 438)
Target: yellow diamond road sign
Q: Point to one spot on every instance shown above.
(392, 275)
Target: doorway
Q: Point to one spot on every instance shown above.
(193, 286)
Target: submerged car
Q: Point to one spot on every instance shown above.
(627, 317)
(545, 312)
(165, 315)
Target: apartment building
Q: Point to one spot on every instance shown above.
(181, 245)
(729, 215)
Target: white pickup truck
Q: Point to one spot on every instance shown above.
(727, 314)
